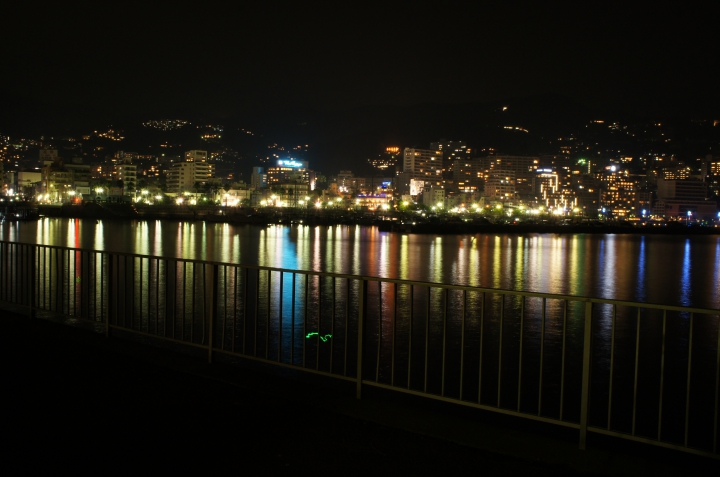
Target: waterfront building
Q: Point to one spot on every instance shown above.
(346, 181)
(434, 196)
(258, 178)
(586, 188)
(522, 167)
(234, 197)
(711, 173)
(683, 198)
(424, 164)
(618, 192)
(387, 160)
(451, 151)
(290, 171)
(126, 172)
(288, 194)
(372, 202)
(187, 175)
(550, 192)
(681, 189)
(28, 182)
(500, 184)
(467, 176)
(65, 182)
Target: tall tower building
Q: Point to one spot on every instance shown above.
(258, 178)
(126, 172)
(523, 167)
(423, 163)
(187, 175)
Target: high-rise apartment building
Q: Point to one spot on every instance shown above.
(680, 198)
(523, 167)
(258, 178)
(290, 171)
(467, 175)
(500, 185)
(126, 172)
(618, 192)
(423, 163)
(195, 171)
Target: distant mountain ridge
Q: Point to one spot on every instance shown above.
(336, 137)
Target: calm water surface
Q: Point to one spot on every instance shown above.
(657, 269)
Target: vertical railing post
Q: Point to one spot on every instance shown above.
(84, 278)
(585, 398)
(109, 290)
(59, 281)
(361, 320)
(32, 299)
(211, 282)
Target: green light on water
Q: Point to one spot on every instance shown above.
(315, 333)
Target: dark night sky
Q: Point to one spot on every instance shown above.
(165, 58)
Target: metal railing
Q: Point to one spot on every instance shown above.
(638, 371)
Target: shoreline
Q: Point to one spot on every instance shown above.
(438, 226)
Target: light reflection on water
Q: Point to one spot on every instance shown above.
(659, 269)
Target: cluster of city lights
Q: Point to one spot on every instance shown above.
(111, 134)
(166, 124)
(213, 127)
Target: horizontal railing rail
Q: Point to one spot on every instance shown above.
(639, 371)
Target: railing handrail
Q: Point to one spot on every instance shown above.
(113, 286)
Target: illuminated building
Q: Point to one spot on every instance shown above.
(451, 151)
(63, 182)
(27, 181)
(711, 173)
(432, 196)
(290, 171)
(681, 189)
(422, 163)
(523, 168)
(287, 194)
(677, 198)
(500, 184)
(386, 160)
(467, 175)
(586, 189)
(679, 172)
(126, 172)
(618, 192)
(258, 178)
(195, 170)
(196, 156)
(373, 201)
(550, 192)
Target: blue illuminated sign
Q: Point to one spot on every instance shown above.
(289, 163)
